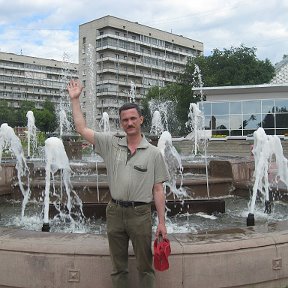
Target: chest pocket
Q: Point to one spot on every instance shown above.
(141, 168)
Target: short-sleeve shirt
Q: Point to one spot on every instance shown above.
(131, 177)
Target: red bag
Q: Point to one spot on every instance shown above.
(162, 250)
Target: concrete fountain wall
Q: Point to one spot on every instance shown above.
(240, 258)
(249, 257)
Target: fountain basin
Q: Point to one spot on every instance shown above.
(232, 258)
(222, 258)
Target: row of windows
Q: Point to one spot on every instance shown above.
(150, 40)
(18, 98)
(32, 66)
(245, 107)
(28, 93)
(242, 118)
(247, 121)
(144, 61)
(22, 80)
(150, 61)
(129, 46)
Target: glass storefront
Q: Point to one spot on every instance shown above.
(242, 118)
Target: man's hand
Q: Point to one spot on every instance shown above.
(74, 88)
(161, 231)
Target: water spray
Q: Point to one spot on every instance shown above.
(266, 148)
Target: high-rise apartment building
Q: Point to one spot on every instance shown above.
(34, 79)
(120, 60)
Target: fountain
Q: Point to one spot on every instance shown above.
(202, 255)
(264, 149)
(174, 165)
(132, 92)
(72, 258)
(9, 140)
(157, 127)
(70, 139)
(162, 115)
(56, 159)
(64, 123)
(91, 89)
(160, 118)
(197, 135)
(31, 133)
(64, 108)
(104, 123)
(195, 124)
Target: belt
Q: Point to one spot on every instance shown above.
(128, 203)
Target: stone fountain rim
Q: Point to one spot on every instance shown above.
(17, 239)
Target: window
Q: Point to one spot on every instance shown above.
(235, 107)
(251, 121)
(252, 107)
(281, 105)
(267, 106)
(282, 120)
(84, 45)
(235, 122)
(268, 121)
(221, 108)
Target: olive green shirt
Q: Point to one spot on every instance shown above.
(131, 177)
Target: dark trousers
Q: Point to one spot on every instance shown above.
(134, 223)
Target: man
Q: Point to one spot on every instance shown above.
(136, 172)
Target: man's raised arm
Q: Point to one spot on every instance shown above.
(75, 88)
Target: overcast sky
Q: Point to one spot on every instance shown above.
(49, 28)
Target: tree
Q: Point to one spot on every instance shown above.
(21, 112)
(6, 114)
(46, 119)
(159, 95)
(234, 66)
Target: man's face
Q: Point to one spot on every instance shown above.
(131, 121)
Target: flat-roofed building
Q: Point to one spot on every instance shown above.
(34, 79)
(120, 60)
(237, 111)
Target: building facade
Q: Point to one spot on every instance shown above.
(120, 60)
(33, 79)
(237, 111)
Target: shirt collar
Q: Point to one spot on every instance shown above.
(143, 144)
